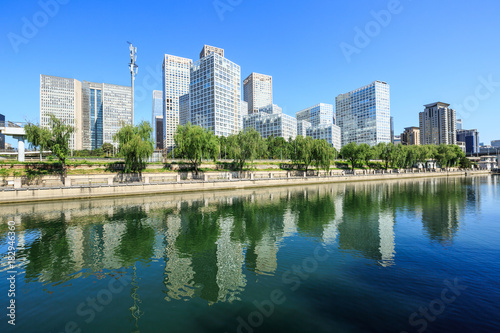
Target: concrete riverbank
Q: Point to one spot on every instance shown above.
(174, 183)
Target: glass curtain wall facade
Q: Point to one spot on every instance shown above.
(471, 139)
(215, 94)
(258, 91)
(117, 110)
(363, 115)
(176, 81)
(328, 132)
(321, 113)
(277, 125)
(62, 97)
(157, 114)
(184, 111)
(97, 111)
(302, 127)
(92, 112)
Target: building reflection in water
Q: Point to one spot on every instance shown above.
(212, 243)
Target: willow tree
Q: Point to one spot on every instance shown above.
(323, 154)
(304, 150)
(352, 153)
(194, 142)
(56, 138)
(246, 146)
(136, 145)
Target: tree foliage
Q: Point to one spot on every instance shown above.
(195, 143)
(135, 144)
(56, 138)
(323, 154)
(352, 153)
(246, 146)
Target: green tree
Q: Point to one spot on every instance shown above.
(107, 148)
(444, 155)
(55, 138)
(135, 144)
(38, 136)
(246, 146)
(365, 153)
(194, 143)
(351, 152)
(304, 150)
(384, 152)
(323, 154)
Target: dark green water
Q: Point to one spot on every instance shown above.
(406, 256)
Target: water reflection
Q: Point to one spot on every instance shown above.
(211, 244)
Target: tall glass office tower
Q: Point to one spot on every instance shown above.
(105, 108)
(364, 114)
(176, 80)
(157, 118)
(215, 93)
(97, 111)
(93, 115)
(258, 91)
(62, 97)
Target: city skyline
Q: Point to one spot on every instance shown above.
(410, 85)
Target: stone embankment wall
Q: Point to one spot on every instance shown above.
(91, 186)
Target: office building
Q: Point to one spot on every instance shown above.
(176, 81)
(157, 118)
(411, 136)
(258, 91)
(364, 114)
(62, 97)
(105, 109)
(2, 136)
(329, 132)
(184, 111)
(271, 109)
(302, 127)
(96, 110)
(459, 124)
(471, 140)
(215, 93)
(268, 124)
(396, 140)
(392, 130)
(321, 113)
(438, 124)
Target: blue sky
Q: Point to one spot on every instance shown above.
(426, 50)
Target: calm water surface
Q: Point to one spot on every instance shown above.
(406, 256)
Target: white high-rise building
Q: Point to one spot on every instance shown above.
(62, 97)
(438, 124)
(258, 91)
(176, 81)
(364, 114)
(302, 126)
(317, 122)
(157, 118)
(328, 132)
(97, 111)
(321, 113)
(215, 93)
(276, 125)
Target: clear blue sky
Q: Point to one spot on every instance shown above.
(427, 50)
